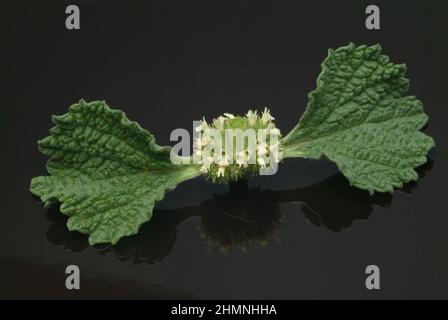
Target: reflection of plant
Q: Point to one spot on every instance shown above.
(330, 204)
(240, 222)
(108, 172)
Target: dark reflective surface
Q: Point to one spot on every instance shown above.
(302, 233)
(241, 218)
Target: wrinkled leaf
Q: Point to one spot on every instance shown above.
(106, 171)
(359, 117)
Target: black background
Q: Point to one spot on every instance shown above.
(166, 63)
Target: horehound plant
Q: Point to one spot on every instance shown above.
(107, 172)
(237, 160)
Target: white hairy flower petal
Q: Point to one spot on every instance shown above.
(252, 117)
(266, 117)
(219, 123)
(262, 151)
(261, 162)
(240, 158)
(203, 125)
(221, 171)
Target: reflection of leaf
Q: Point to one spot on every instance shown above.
(106, 171)
(359, 118)
(334, 204)
(242, 218)
(155, 239)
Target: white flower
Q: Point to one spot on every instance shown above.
(261, 162)
(219, 123)
(198, 143)
(262, 148)
(240, 158)
(266, 117)
(206, 140)
(261, 151)
(212, 143)
(221, 171)
(202, 126)
(206, 161)
(252, 116)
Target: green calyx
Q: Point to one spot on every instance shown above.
(232, 147)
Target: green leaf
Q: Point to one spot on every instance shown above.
(106, 171)
(359, 117)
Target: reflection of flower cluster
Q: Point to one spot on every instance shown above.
(233, 146)
(243, 220)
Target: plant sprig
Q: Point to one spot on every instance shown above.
(107, 172)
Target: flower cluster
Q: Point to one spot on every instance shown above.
(231, 147)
